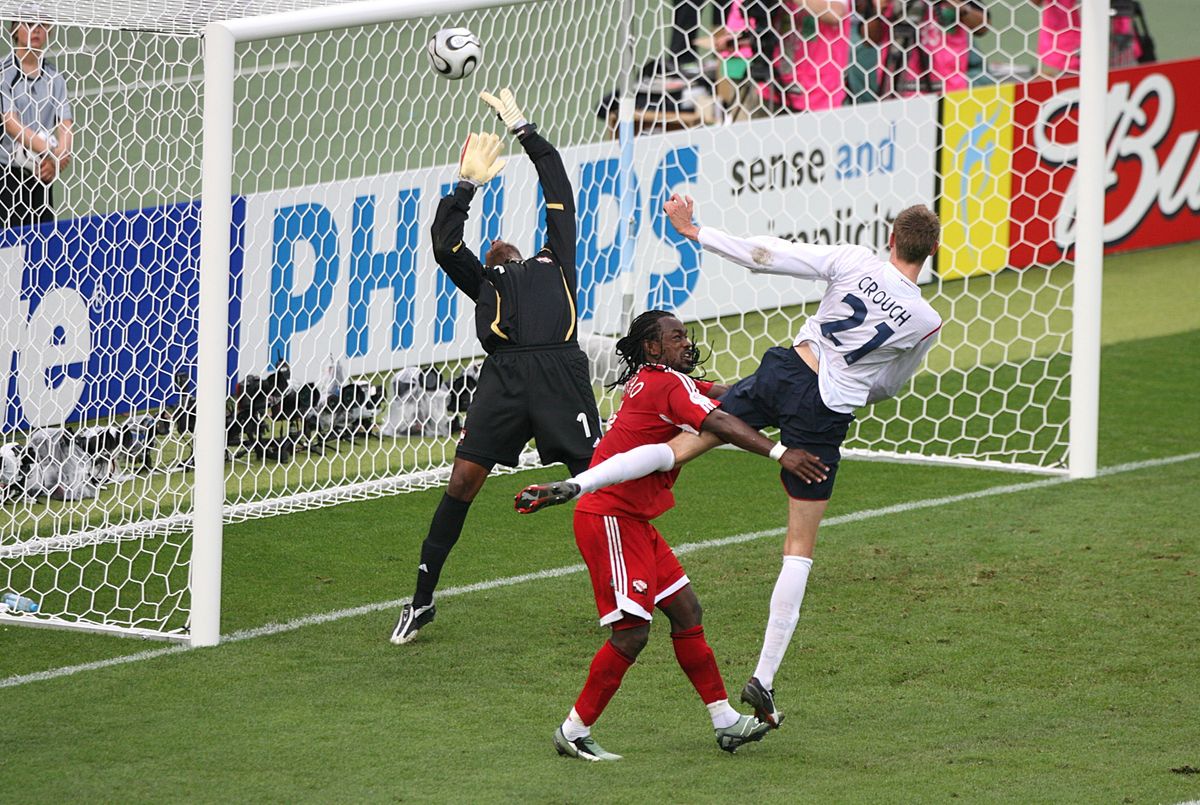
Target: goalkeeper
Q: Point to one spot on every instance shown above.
(535, 382)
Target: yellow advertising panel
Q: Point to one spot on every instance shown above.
(976, 170)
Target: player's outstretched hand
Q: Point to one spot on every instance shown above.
(804, 464)
(680, 210)
(538, 496)
(481, 158)
(506, 108)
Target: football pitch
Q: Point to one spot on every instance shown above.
(968, 634)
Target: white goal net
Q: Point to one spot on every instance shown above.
(350, 358)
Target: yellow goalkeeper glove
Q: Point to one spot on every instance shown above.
(480, 161)
(506, 108)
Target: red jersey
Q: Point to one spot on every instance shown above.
(657, 404)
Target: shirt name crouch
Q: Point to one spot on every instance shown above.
(894, 310)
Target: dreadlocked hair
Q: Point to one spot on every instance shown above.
(631, 347)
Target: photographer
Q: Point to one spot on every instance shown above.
(925, 45)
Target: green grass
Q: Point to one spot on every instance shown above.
(1036, 646)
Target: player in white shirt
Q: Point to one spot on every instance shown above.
(864, 343)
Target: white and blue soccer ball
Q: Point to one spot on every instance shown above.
(455, 52)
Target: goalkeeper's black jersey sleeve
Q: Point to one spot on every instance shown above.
(449, 249)
(527, 303)
(559, 199)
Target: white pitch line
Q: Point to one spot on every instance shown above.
(328, 617)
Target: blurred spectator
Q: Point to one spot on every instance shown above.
(687, 32)
(1062, 21)
(36, 145)
(925, 44)
(862, 72)
(1058, 39)
(808, 43)
(664, 99)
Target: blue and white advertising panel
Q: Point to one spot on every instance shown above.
(99, 313)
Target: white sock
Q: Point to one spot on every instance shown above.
(722, 714)
(574, 728)
(785, 612)
(627, 466)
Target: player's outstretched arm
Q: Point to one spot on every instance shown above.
(761, 254)
(681, 212)
(648, 458)
(552, 176)
(479, 162)
(800, 463)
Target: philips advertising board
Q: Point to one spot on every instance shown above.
(99, 313)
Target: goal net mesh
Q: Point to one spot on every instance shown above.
(352, 357)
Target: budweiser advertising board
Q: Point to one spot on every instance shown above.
(1152, 163)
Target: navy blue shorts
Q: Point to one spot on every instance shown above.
(784, 393)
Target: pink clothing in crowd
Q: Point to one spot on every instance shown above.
(947, 47)
(1059, 39)
(810, 64)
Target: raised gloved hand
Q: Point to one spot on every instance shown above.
(480, 160)
(506, 108)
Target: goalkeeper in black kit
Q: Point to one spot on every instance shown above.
(535, 382)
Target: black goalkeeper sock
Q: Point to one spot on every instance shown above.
(444, 531)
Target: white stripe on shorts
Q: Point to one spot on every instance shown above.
(616, 558)
(679, 584)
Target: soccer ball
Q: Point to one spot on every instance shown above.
(455, 52)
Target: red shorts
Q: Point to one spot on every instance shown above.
(631, 565)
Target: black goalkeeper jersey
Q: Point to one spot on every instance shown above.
(526, 303)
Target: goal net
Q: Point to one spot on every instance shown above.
(350, 358)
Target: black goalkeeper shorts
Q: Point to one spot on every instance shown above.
(542, 393)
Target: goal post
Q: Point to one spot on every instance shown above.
(221, 40)
(244, 272)
(1089, 247)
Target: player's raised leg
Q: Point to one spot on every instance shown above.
(628, 466)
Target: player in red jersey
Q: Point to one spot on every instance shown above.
(632, 568)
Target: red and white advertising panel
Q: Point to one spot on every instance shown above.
(1152, 163)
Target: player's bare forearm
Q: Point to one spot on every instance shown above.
(687, 446)
(736, 432)
(680, 211)
(801, 463)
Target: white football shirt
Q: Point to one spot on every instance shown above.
(872, 328)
